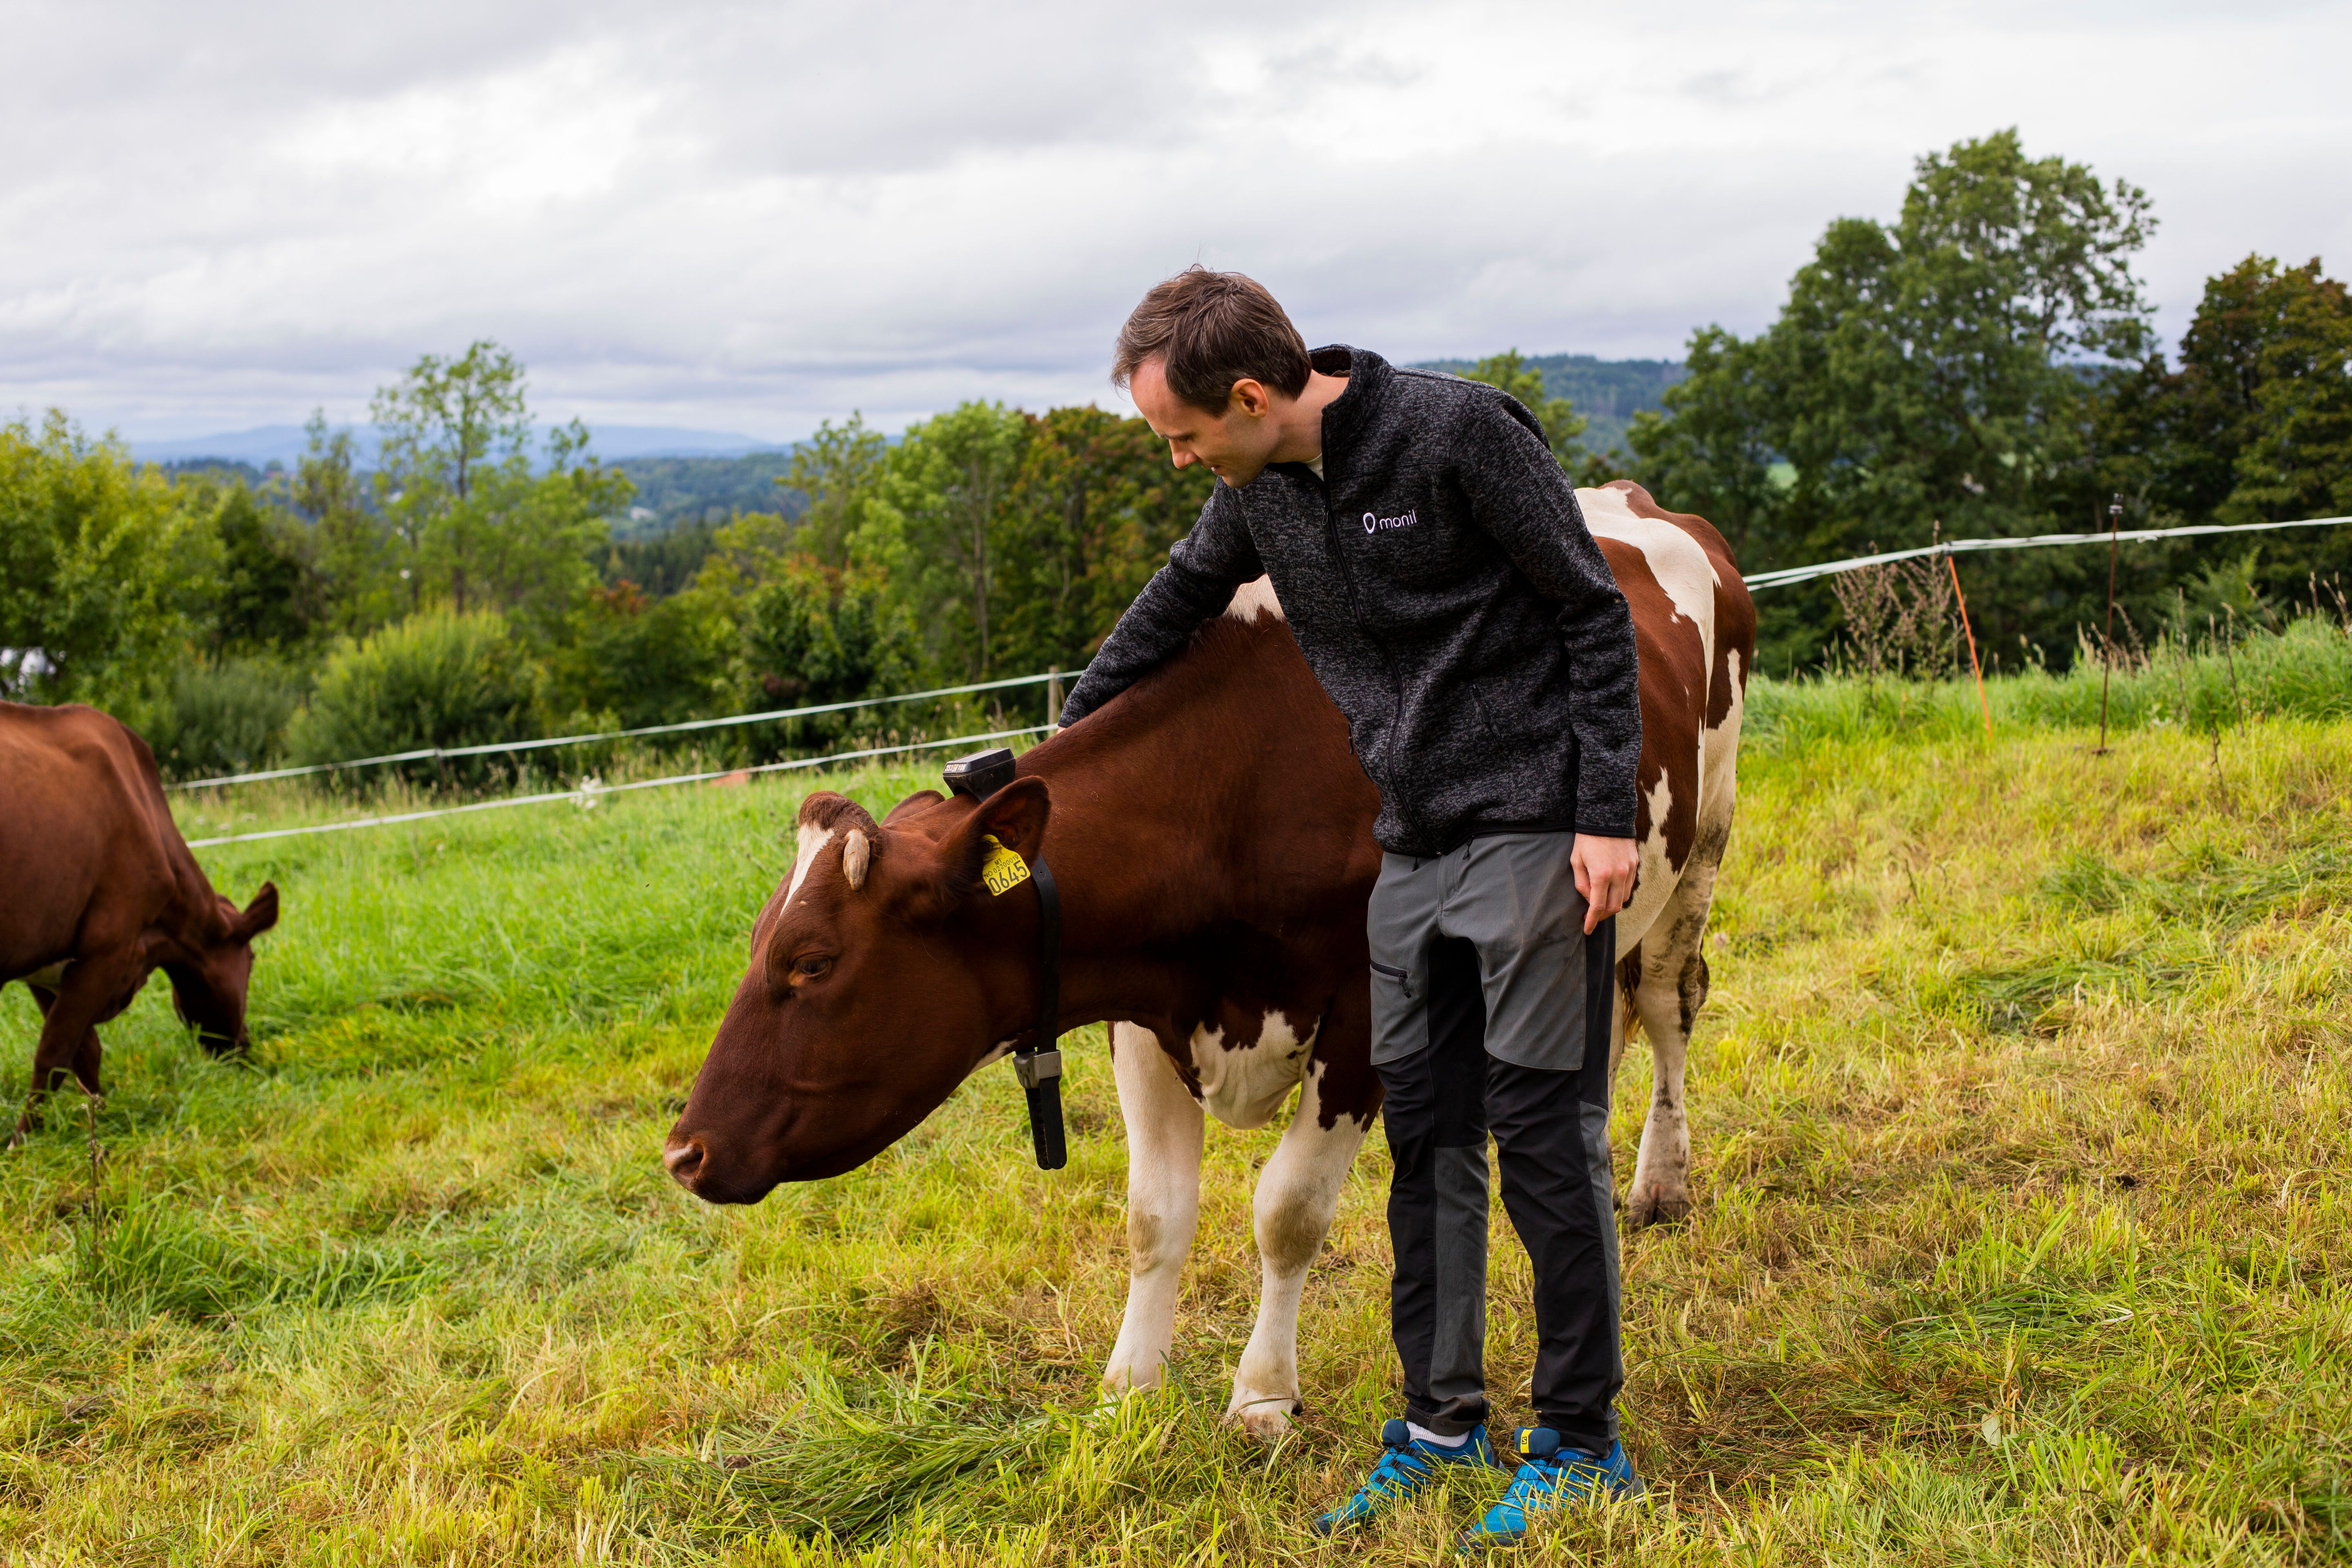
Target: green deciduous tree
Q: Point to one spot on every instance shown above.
(103, 567)
(834, 472)
(814, 635)
(934, 528)
(477, 524)
(1563, 424)
(351, 550)
(1943, 370)
(1088, 519)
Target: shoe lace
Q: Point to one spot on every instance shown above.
(1544, 1477)
(1395, 1473)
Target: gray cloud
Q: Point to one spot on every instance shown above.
(755, 216)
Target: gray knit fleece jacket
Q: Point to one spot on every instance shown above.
(1445, 592)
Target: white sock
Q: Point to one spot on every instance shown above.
(1420, 1434)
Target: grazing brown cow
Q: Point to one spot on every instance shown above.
(1212, 836)
(98, 890)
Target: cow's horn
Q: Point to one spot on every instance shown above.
(856, 855)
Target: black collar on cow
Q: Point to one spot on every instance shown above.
(1038, 1064)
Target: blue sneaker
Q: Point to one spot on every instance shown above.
(1551, 1476)
(1406, 1468)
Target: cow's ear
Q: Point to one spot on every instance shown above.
(914, 803)
(1015, 816)
(261, 914)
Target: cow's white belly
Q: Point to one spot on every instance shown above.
(1244, 1086)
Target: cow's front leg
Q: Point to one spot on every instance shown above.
(69, 1035)
(1298, 1192)
(1163, 1201)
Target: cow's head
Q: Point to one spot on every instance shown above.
(882, 973)
(210, 970)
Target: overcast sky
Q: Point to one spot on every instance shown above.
(751, 218)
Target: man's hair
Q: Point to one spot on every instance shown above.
(1210, 329)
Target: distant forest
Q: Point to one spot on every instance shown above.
(1607, 392)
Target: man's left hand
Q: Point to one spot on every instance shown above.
(1604, 875)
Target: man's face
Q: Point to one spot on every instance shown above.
(1234, 445)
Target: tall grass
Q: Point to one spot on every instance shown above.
(2021, 1113)
(2304, 671)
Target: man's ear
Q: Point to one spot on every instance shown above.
(261, 914)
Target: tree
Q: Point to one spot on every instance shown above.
(1088, 519)
(932, 528)
(811, 636)
(351, 549)
(266, 598)
(441, 423)
(103, 568)
(1563, 424)
(478, 525)
(1944, 370)
(834, 472)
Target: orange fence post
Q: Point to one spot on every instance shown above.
(1971, 635)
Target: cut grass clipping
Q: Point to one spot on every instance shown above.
(2019, 1113)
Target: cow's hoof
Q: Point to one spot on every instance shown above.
(1265, 1419)
(1649, 1205)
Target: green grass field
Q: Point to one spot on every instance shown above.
(2020, 1116)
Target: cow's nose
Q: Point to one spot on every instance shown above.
(683, 1159)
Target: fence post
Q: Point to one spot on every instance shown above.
(2107, 647)
(1969, 633)
(1053, 695)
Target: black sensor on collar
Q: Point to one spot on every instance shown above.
(981, 774)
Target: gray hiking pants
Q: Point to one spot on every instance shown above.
(1491, 1012)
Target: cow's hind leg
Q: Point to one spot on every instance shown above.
(1297, 1193)
(1670, 989)
(1163, 1201)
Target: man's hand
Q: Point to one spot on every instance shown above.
(1604, 875)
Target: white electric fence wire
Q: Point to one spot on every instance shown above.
(590, 792)
(430, 753)
(1962, 546)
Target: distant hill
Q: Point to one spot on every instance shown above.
(675, 492)
(283, 444)
(1607, 392)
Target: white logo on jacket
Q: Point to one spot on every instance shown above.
(1373, 524)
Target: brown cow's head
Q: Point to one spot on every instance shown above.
(210, 972)
(882, 973)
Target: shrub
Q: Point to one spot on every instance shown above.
(434, 679)
(227, 716)
(636, 661)
(812, 636)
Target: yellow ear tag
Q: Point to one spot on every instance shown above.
(1004, 870)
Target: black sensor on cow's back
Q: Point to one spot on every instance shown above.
(981, 774)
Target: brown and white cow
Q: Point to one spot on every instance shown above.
(98, 890)
(1212, 836)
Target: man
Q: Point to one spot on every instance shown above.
(1432, 563)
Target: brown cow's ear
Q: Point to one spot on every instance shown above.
(1015, 816)
(261, 914)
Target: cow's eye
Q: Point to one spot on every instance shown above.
(812, 968)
